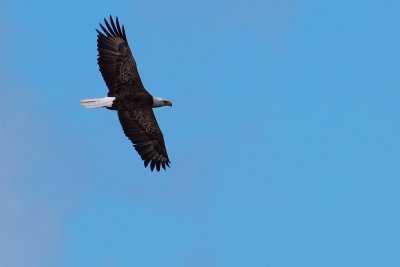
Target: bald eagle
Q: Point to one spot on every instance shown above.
(127, 96)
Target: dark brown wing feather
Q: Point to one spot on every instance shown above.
(115, 60)
(141, 127)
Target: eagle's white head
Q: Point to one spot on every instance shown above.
(160, 102)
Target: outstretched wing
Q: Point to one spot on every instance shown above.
(115, 60)
(141, 127)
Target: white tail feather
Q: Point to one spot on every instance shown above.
(98, 102)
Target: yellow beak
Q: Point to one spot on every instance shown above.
(168, 103)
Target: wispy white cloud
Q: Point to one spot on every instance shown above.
(29, 229)
(29, 224)
(36, 188)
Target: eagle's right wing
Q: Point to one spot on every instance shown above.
(115, 60)
(141, 127)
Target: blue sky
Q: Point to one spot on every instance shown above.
(284, 136)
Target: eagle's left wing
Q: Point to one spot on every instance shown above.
(116, 62)
(141, 127)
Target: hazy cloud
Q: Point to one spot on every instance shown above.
(37, 189)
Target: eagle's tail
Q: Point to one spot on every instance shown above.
(98, 102)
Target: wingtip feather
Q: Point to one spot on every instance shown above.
(152, 165)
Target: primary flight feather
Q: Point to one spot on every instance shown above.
(128, 96)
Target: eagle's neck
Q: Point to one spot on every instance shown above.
(158, 102)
